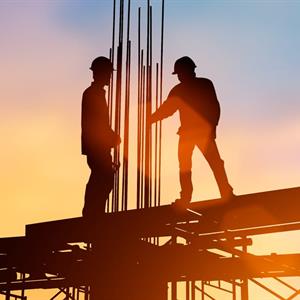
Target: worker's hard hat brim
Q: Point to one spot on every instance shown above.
(100, 68)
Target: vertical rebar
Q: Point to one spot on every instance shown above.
(112, 57)
(148, 113)
(150, 106)
(118, 106)
(160, 98)
(143, 105)
(156, 140)
(138, 165)
(109, 100)
(111, 88)
(126, 117)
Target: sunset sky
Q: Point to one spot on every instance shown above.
(249, 49)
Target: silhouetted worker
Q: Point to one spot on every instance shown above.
(97, 139)
(195, 99)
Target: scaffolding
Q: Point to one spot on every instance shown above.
(147, 252)
(118, 256)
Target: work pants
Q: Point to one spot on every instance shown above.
(98, 187)
(208, 147)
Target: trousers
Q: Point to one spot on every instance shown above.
(99, 186)
(207, 145)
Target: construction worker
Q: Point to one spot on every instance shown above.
(195, 99)
(97, 139)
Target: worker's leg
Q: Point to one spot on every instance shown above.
(97, 189)
(210, 151)
(185, 150)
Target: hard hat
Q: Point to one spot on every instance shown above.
(183, 64)
(102, 63)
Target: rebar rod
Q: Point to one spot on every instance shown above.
(156, 141)
(148, 113)
(150, 108)
(160, 98)
(143, 105)
(113, 62)
(138, 164)
(111, 90)
(118, 105)
(126, 117)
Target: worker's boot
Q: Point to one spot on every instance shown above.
(186, 189)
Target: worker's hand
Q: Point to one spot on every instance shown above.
(118, 140)
(152, 119)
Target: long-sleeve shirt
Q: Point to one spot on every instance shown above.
(97, 137)
(197, 103)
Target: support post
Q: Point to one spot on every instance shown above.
(202, 290)
(244, 286)
(233, 286)
(193, 287)
(23, 289)
(174, 282)
(187, 290)
(7, 295)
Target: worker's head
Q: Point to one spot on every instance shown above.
(102, 69)
(184, 67)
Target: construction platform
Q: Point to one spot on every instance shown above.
(121, 250)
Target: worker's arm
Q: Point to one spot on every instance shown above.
(167, 109)
(215, 106)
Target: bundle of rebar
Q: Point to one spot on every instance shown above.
(149, 97)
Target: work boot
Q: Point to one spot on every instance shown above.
(186, 189)
(183, 201)
(227, 193)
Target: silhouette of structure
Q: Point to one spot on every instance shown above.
(148, 252)
(126, 263)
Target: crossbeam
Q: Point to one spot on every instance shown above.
(206, 225)
(259, 211)
(189, 266)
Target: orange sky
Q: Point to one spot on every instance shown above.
(44, 69)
